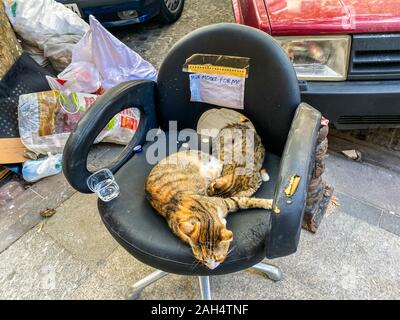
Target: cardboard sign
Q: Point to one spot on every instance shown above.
(219, 90)
(218, 80)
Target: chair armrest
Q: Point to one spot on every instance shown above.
(297, 160)
(138, 94)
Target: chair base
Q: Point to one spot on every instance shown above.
(272, 272)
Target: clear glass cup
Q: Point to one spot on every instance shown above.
(104, 185)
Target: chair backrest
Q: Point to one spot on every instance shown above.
(271, 93)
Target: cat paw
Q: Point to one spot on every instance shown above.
(265, 175)
(267, 204)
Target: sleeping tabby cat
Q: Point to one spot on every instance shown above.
(195, 192)
(240, 148)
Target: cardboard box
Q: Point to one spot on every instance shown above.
(11, 151)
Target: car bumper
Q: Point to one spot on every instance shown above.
(120, 23)
(356, 104)
(107, 11)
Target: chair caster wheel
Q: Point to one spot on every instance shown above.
(134, 296)
(273, 273)
(139, 286)
(275, 278)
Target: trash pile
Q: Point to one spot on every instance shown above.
(53, 68)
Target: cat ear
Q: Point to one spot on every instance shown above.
(226, 235)
(186, 227)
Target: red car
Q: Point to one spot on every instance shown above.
(346, 54)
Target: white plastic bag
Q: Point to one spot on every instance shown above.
(115, 61)
(46, 120)
(78, 77)
(34, 170)
(121, 128)
(48, 25)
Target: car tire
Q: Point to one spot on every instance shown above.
(170, 10)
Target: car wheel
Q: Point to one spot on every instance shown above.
(170, 10)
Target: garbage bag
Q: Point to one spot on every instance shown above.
(35, 170)
(58, 49)
(115, 61)
(46, 120)
(78, 77)
(43, 22)
(36, 54)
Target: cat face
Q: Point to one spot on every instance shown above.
(210, 240)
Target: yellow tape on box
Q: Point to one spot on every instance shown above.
(217, 70)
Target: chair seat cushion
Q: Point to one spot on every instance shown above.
(145, 234)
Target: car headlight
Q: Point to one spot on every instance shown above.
(324, 58)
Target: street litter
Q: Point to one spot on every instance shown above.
(35, 170)
(48, 25)
(93, 71)
(332, 205)
(48, 213)
(88, 60)
(79, 77)
(36, 54)
(44, 126)
(58, 50)
(40, 227)
(11, 151)
(30, 155)
(335, 201)
(115, 61)
(353, 154)
(24, 76)
(46, 120)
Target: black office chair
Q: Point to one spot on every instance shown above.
(272, 102)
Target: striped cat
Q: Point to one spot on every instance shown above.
(240, 148)
(195, 191)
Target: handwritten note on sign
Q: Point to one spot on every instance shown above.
(220, 90)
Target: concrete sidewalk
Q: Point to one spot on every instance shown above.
(354, 255)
